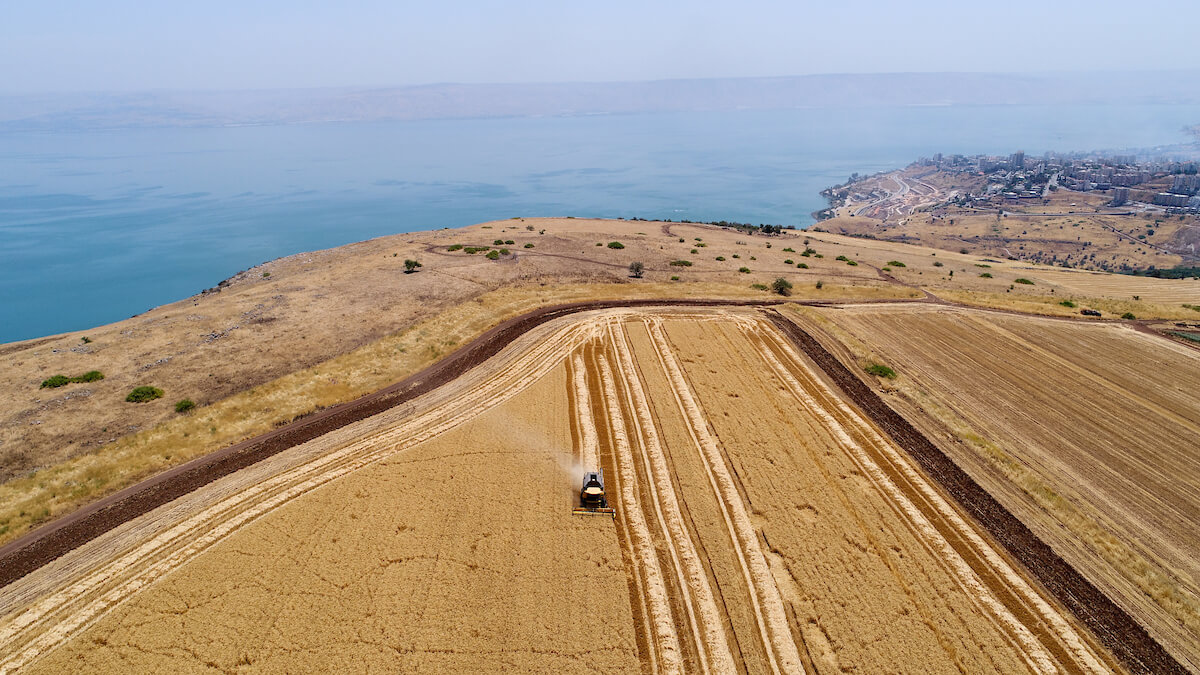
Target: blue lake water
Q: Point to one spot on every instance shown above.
(98, 226)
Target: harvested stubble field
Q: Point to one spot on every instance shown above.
(763, 524)
(1087, 432)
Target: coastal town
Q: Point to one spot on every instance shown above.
(1113, 212)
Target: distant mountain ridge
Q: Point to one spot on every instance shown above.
(46, 112)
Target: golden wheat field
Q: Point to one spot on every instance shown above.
(763, 524)
(1088, 432)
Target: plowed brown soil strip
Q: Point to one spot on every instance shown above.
(1112, 625)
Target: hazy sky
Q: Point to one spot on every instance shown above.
(53, 45)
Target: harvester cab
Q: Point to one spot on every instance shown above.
(592, 499)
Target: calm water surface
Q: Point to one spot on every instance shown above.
(98, 226)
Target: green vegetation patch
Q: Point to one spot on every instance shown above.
(802, 266)
(896, 263)
(184, 405)
(986, 275)
(454, 247)
(1023, 280)
(1194, 337)
(744, 270)
(493, 255)
(681, 263)
(143, 394)
(759, 287)
(56, 381)
(880, 370)
(615, 244)
(1067, 303)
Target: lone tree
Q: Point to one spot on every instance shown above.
(782, 286)
(636, 268)
(411, 266)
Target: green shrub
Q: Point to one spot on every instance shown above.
(411, 266)
(802, 266)
(701, 245)
(880, 370)
(681, 263)
(781, 286)
(674, 278)
(1023, 280)
(1067, 303)
(505, 251)
(789, 250)
(982, 265)
(744, 270)
(615, 244)
(735, 255)
(789, 261)
(759, 287)
(820, 284)
(55, 381)
(498, 242)
(637, 269)
(896, 263)
(184, 405)
(938, 263)
(1128, 315)
(476, 249)
(986, 275)
(493, 255)
(529, 245)
(454, 247)
(143, 394)
(695, 251)
(510, 242)
(721, 258)
(887, 269)
(841, 257)
(851, 263)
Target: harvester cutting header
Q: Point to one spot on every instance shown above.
(592, 499)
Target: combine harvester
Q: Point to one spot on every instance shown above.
(592, 501)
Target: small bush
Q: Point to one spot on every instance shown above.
(842, 258)
(695, 251)
(472, 250)
(982, 265)
(896, 263)
(851, 263)
(1023, 280)
(789, 261)
(266, 274)
(674, 278)
(184, 405)
(1067, 303)
(986, 275)
(411, 266)
(493, 255)
(880, 370)
(143, 394)
(887, 269)
(820, 284)
(636, 268)
(510, 242)
(721, 258)
(681, 263)
(789, 250)
(55, 381)
(615, 244)
(782, 286)
(744, 270)
(681, 240)
(701, 245)
(735, 255)
(938, 263)
(85, 339)
(454, 247)
(759, 287)
(529, 245)
(802, 266)
(1128, 315)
